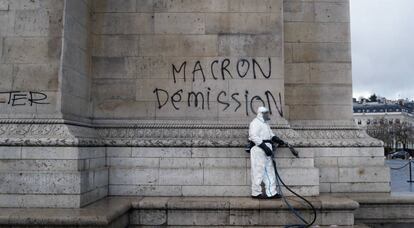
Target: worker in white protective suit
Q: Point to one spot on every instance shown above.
(261, 155)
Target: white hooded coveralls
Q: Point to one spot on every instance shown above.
(261, 165)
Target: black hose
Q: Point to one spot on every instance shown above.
(294, 211)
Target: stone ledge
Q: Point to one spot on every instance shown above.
(101, 213)
(106, 211)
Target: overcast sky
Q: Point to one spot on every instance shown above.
(383, 48)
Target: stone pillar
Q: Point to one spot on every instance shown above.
(45, 107)
(318, 84)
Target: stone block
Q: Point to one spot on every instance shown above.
(153, 152)
(253, 45)
(319, 94)
(181, 176)
(109, 89)
(298, 10)
(91, 152)
(28, 4)
(319, 112)
(76, 33)
(331, 73)
(118, 108)
(242, 23)
(358, 161)
(114, 67)
(10, 152)
(144, 190)
(38, 22)
(303, 32)
(31, 50)
(74, 84)
(188, 6)
(321, 52)
(145, 6)
(76, 106)
(324, 187)
(50, 152)
(76, 58)
(35, 77)
(297, 73)
(244, 218)
(361, 187)
(179, 23)
(332, 11)
(41, 165)
(339, 218)
(153, 217)
(364, 174)
(80, 10)
(118, 151)
(326, 162)
(328, 174)
(300, 176)
(224, 171)
(257, 6)
(116, 46)
(94, 163)
(22, 182)
(218, 152)
(137, 176)
(193, 217)
(178, 45)
(6, 71)
(123, 24)
(134, 162)
(181, 171)
(111, 6)
(40, 200)
(349, 152)
(7, 21)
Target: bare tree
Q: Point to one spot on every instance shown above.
(392, 132)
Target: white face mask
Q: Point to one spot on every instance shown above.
(266, 116)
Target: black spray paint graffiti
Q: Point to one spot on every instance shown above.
(242, 68)
(203, 100)
(19, 98)
(220, 70)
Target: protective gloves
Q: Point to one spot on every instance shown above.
(277, 140)
(266, 149)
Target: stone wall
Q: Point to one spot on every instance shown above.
(154, 59)
(107, 66)
(30, 49)
(199, 171)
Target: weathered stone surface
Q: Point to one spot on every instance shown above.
(31, 50)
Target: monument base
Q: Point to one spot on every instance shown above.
(183, 211)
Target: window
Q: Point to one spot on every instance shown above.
(359, 122)
(368, 122)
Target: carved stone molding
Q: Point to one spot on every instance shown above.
(170, 134)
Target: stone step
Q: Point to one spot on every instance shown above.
(120, 212)
(236, 211)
